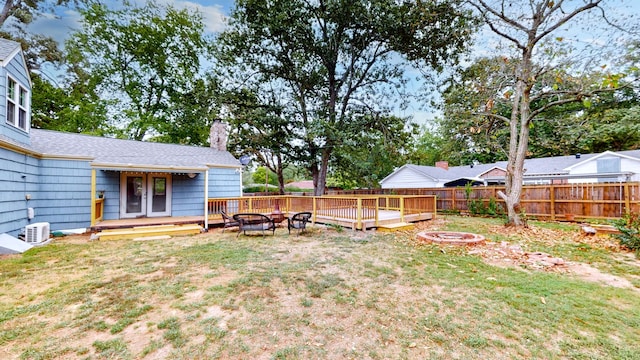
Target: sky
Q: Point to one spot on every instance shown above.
(59, 26)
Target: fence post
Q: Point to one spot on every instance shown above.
(435, 207)
(552, 197)
(452, 196)
(627, 199)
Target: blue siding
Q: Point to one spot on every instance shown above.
(15, 68)
(64, 196)
(224, 182)
(18, 177)
(109, 181)
(187, 195)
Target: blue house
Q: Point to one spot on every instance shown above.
(64, 179)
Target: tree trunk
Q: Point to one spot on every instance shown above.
(6, 11)
(281, 177)
(321, 181)
(518, 142)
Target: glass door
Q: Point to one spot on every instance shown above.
(132, 193)
(145, 195)
(159, 195)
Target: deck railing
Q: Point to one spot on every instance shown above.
(559, 201)
(98, 211)
(356, 209)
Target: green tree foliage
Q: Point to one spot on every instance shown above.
(145, 61)
(334, 64)
(617, 129)
(72, 108)
(373, 153)
(259, 127)
(260, 176)
(427, 147)
(191, 114)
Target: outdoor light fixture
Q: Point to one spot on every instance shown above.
(192, 175)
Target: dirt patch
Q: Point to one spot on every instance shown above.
(507, 254)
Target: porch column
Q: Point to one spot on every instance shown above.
(93, 197)
(206, 200)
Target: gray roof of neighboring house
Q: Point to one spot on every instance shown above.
(127, 153)
(7, 47)
(541, 166)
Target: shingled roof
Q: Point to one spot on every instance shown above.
(117, 153)
(8, 48)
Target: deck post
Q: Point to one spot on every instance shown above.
(401, 209)
(359, 214)
(315, 209)
(93, 197)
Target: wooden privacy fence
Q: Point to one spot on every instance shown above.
(566, 201)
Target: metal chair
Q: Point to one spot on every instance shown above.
(228, 221)
(255, 222)
(298, 221)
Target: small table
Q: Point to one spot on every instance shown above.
(277, 217)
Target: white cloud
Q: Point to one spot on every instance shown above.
(213, 16)
(58, 26)
(61, 24)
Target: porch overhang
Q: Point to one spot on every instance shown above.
(148, 168)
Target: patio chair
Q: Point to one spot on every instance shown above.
(255, 222)
(228, 221)
(298, 221)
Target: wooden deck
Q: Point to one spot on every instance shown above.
(358, 213)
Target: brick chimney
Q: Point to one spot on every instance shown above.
(218, 135)
(442, 165)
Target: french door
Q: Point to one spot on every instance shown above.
(145, 195)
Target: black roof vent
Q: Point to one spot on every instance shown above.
(578, 156)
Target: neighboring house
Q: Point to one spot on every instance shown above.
(608, 166)
(303, 184)
(55, 177)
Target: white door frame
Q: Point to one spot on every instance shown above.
(138, 197)
(159, 195)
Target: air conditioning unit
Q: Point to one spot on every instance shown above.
(36, 232)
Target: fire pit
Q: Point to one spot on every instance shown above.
(451, 237)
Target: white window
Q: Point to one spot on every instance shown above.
(17, 105)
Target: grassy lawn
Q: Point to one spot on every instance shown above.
(326, 294)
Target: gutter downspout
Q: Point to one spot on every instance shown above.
(241, 188)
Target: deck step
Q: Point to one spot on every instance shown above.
(401, 226)
(149, 231)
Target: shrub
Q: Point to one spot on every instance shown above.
(629, 227)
